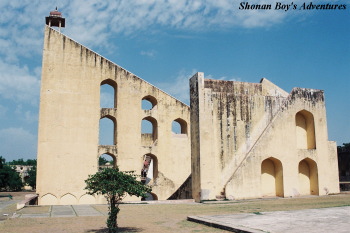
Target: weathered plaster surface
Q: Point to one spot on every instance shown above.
(70, 112)
(239, 125)
(238, 140)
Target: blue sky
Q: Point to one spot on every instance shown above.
(166, 42)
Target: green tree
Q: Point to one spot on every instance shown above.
(9, 178)
(115, 185)
(16, 162)
(29, 162)
(2, 162)
(102, 161)
(31, 181)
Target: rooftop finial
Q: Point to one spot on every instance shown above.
(55, 19)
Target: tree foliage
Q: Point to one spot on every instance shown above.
(115, 185)
(31, 181)
(29, 162)
(9, 178)
(102, 161)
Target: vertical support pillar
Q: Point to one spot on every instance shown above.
(196, 102)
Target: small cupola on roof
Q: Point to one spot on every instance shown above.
(55, 19)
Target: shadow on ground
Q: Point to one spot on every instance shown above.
(120, 229)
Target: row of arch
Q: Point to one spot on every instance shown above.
(70, 199)
(108, 96)
(304, 120)
(272, 177)
(149, 129)
(149, 125)
(67, 199)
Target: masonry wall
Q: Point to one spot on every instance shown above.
(70, 113)
(248, 136)
(244, 140)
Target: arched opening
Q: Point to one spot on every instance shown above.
(107, 161)
(148, 102)
(179, 126)
(108, 94)
(305, 130)
(108, 131)
(308, 177)
(272, 177)
(149, 131)
(149, 169)
(150, 197)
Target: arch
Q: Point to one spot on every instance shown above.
(272, 177)
(48, 199)
(149, 130)
(108, 131)
(148, 102)
(179, 126)
(107, 160)
(305, 130)
(68, 199)
(150, 197)
(308, 177)
(149, 169)
(87, 199)
(108, 94)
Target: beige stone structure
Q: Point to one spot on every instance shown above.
(245, 140)
(254, 139)
(68, 143)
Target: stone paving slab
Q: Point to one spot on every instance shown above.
(335, 220)
(45, 215)
(62, 211)
(86, 210)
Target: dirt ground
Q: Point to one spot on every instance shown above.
(164, 217)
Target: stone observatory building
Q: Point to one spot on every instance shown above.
(252, 140)
(237, 140)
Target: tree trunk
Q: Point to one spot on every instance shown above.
(112, 215)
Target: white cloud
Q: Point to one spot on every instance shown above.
(3, 110)
(95, 22)
(17, 143)
(148, 53)
(18, 84)
(237, 79)
(25, 115)
(21, 29)
(180, 88)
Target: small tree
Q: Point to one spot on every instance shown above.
(31, 181)
(115, 185)
(102, 161)
(9, 178)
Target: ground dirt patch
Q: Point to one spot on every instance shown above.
(165, 217)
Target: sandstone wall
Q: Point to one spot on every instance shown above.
(242, 124)
(70, 113)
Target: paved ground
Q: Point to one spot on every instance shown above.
(63, 211)
(335, 219)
